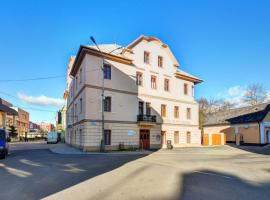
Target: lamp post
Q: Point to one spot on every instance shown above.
(102, 142)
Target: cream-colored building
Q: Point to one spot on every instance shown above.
(148, 98)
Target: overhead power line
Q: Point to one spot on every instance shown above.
(32, 79)
(27, 108)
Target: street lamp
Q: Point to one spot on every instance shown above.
(102, 143)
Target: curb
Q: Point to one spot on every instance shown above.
(99, 153)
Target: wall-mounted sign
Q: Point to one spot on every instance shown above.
(131, 133)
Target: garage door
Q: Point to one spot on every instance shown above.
(205, 139)
(216, 139)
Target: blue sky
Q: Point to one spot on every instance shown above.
(226, 43)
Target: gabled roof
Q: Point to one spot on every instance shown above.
(238, 116)
(149, 39)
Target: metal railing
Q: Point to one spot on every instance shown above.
(146, 118)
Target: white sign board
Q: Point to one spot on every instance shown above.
(131, 133)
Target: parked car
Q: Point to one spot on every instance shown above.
(52, 138)
(4, 147)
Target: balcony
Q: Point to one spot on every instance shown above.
(146, 119)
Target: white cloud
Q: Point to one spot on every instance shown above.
(41, 100)
(234, 95)
(268, 96)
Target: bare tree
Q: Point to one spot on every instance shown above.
(210, 106)
(254, 94)
(226, 105)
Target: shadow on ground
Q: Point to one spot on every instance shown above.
(265, 150)
(211, 185)
(34, 174)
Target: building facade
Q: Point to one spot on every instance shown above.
(33, 125)
(7, 115)
(47, 127)
(22, 122)
(247, 125)
(148, 99)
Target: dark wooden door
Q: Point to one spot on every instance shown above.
(144, 139)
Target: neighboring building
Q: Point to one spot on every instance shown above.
(22, 122)
(247, 125)
(47, 127)
(148, 99)
(61, 119)
(33, 125)
(6, 111)
(6, 103)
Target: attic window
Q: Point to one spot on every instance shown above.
(146, 57)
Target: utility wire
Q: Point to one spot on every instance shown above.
(32, 79)
(29, 108)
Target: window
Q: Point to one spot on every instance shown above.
(76, 83)
(75, 109)
(166, 84)
(80, 136)
(176, 112)
(107, 71)
(80, 105)
(140, 108)
(139, 78)
(153, 82)
(146, 57)
(160, 61)
(176, 137)
(107, 137)
(80, 75)
(107, 104)
(188, 113)
(188, 137)
(185, 89)
(148, 108)
(163, 110)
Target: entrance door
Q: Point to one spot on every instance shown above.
(205, 139)
(163, 137)
(144, 139)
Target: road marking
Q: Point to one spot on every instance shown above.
(213, 174)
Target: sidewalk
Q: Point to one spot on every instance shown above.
(66, 149)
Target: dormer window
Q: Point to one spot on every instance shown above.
(160, 61)
(146, 57)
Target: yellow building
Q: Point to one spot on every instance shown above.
(248, 125)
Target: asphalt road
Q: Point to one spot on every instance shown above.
(186, 173)
(35, 174)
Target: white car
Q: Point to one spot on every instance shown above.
(52, 138)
